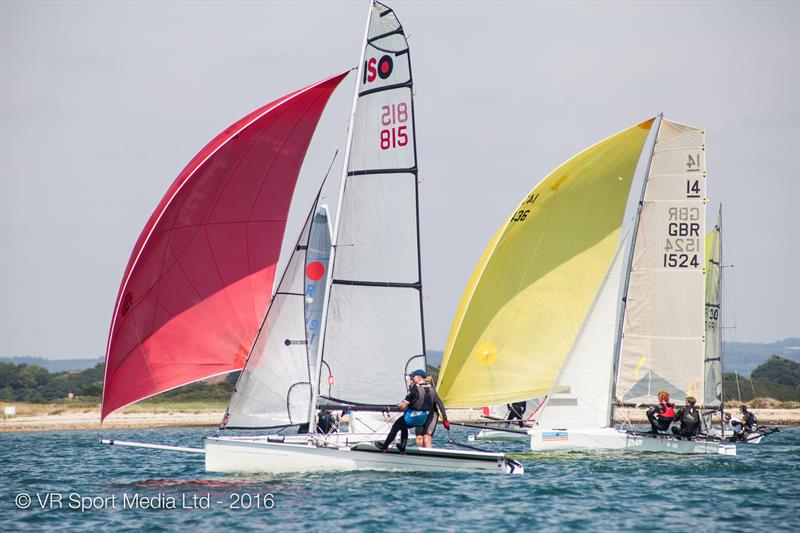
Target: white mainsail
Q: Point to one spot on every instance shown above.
(373, 332)
(663, 330)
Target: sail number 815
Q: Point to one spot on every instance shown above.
(393, 134)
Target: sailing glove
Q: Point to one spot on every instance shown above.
(446, 424)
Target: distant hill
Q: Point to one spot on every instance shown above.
(54, 365)
(33, 383)
(776, 378)
(743, 357)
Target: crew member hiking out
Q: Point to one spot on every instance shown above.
(420, 412)
(661, 415)
(689, 417)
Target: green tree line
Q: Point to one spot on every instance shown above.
(777, 378)
(32, 383)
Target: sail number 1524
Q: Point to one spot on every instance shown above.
(394, 132)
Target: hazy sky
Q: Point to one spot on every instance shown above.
(103, 103)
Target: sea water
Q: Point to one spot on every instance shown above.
(68, 481)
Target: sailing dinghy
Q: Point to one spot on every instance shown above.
(713, 361)
(656, 283)
(200, 305)
(543, 320)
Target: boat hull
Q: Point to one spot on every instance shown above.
(493, 434)
(247, 455)
(616, 439)
(343, 438)
(752, 438)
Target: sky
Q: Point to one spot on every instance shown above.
(103, 103)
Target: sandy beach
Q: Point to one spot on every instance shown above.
(57, 417)
(89, 418)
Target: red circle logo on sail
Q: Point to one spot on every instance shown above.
(374, 68)
(385, 67)
(315, 270)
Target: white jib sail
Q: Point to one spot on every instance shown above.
(662, 346)
(274, 388)
(713, 363)
(582, 394)
(373, 329)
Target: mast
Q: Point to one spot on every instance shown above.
(627, 279)
(721, 370)
(335, 238)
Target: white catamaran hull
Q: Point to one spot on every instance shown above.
(617, 439)
(493, 434)
(343, 438)
(751, 438)
(246, 455)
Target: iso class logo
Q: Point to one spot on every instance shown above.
(378, 68)
(22, 500)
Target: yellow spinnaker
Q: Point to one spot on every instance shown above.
(533, 286)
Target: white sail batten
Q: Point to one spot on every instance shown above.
(274, 388)
(712, 396)
(581, 397)
(373, 332)
(663, 330)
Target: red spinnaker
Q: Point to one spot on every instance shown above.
(199, 278)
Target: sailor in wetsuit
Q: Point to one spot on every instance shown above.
(661, 415)
(420, 397)
(689, 417)
(742, 429)
(515, 411)
(749, 420)
(434, 405)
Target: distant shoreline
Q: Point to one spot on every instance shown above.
(189, 416)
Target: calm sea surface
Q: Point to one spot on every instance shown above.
(759, 490)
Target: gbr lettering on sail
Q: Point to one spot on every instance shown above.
(684, 240)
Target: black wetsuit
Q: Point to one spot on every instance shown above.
(749, 421)
(689, 417)
(661, 416)
(434, 405)
(515, 411)
(420, 397)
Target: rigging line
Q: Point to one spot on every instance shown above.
(309, 222)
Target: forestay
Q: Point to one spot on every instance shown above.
(712, 396)
(373, 328)
(663, 330)
(275, 386)
(530, 292)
